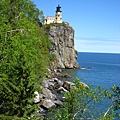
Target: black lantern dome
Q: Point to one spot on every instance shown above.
(58, 8)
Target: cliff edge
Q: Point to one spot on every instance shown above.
(62, 36)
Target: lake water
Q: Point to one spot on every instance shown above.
(105, 70)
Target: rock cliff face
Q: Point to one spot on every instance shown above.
(62, 36)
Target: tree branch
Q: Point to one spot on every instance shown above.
(83, 108)
(108, 110)
(13, 31)
(2, 104)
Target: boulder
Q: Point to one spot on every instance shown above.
(84, 85)
(42, 96)
(41, 110)
(67, 76)
(48, 84)
(55, 79)
(45, 84)
(37, 97)
(62, 76)
(59, 70)
(47, 104)
(48, 94)
(58, 103)
(58, 84)
(68, 85)
(89, 66)
(61, 90)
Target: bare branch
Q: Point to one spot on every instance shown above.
(108, 110)
(83, 108)
(13, 31)
(18, 16)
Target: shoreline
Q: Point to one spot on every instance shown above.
(53, 91)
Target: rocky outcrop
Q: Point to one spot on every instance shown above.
(50, 97)
(62, 36)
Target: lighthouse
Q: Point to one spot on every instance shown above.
(56, 19)
(58, 15)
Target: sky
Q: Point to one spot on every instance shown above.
(96, 22)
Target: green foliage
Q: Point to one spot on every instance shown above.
(48, 26)
(81, 103)
(52, 57)
(15, 10)
(116, 97)
(110, 117)
(63, 24)
(3, 117)
(23, 57)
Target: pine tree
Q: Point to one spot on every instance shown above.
(23, 57)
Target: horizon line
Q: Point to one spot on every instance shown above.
(99, 52)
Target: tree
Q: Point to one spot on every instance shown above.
(15, 10)
(115, 104)
(23, 57)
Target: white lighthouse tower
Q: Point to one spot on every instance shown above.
(58, 16)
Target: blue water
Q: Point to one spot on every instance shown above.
(105, 71)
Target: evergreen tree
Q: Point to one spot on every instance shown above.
(23, 57)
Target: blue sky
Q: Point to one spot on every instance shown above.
(96, 22)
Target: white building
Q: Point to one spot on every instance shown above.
(56, 19)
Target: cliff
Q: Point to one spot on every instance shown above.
(62, 36)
